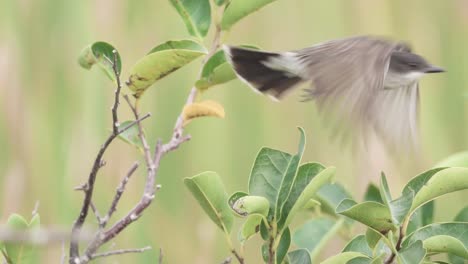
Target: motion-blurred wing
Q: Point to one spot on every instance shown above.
(347, 75)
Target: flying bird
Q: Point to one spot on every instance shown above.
(368, 83)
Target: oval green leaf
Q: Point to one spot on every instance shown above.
(250, 227)
(330, 196)
(273, 173)
(161, 61)
(372, 214)
(238, 9)
(130, 135)
(459, 159)
(209, 191)
(414, 254)
(247, 205)
(283, 246)
(343, 258)
(21, 252)
(310, 177)
(195, 14)
(315, 233)
(443, 182)
(101, 54)
(358, 244)
(455, 230)
(299, 256)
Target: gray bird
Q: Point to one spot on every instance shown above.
(368, 83)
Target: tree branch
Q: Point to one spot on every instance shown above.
(120, 252)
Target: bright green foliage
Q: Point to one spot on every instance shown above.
(300, 256)
(21, 252)
(102, 54)
(373, 194)
(278, 189)
(330, 196)
(445, 237)
(413, 254)
(459, 159)
(131, 135)
(161, 61)
(238, 9)
(195, 14)
(209, 191)
(344, 257)
(359, 244)
(315, 233)
(372, 214)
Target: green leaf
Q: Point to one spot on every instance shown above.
(462, 216)
(208, 190)
(250, 227)
(459, 159)
(247, 205)
(372, 237)
(21, 252)
(299, 256)
(343, 258)
(310, 177)
(283, 246)
(442, 182)
(456, 230)
(360, 260)
(330, 196)
(372, 194)
(221, 2)
(238, 9)
(130, 135)
(161, 61)
(102, 54)
(195, 14)
(273, 173)
(372, 214)
(399, 208)
(414, 254)
(315, 233)
(359, 244)
(422, 216)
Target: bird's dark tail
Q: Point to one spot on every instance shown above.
(265, 72)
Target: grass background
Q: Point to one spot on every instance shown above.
(54, 115)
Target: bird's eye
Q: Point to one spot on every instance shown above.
(412, 65)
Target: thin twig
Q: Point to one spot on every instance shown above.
(36, 208)
(227, 260)
(160, 259)
(115, 119)
(74, 245)
(96, 212)
(120, 252)
(239, 258)
(118, 194)
(134, 123)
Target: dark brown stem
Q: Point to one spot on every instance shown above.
(397, 247)
(271, 251)
(115, 119)
(239, 258)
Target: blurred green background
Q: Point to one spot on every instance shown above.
(54, 115)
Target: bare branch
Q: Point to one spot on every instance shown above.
(227, 260)
(96, 212)
(239, 258)
(118, 194)
(115, 119)
(160, 256)
(120, 252)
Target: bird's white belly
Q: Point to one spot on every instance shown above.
(398, 80)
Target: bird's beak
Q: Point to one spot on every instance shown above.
(433, 69)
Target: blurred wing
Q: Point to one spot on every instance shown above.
(396, 116)
(346, 76)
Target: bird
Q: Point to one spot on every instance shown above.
(366, 83)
